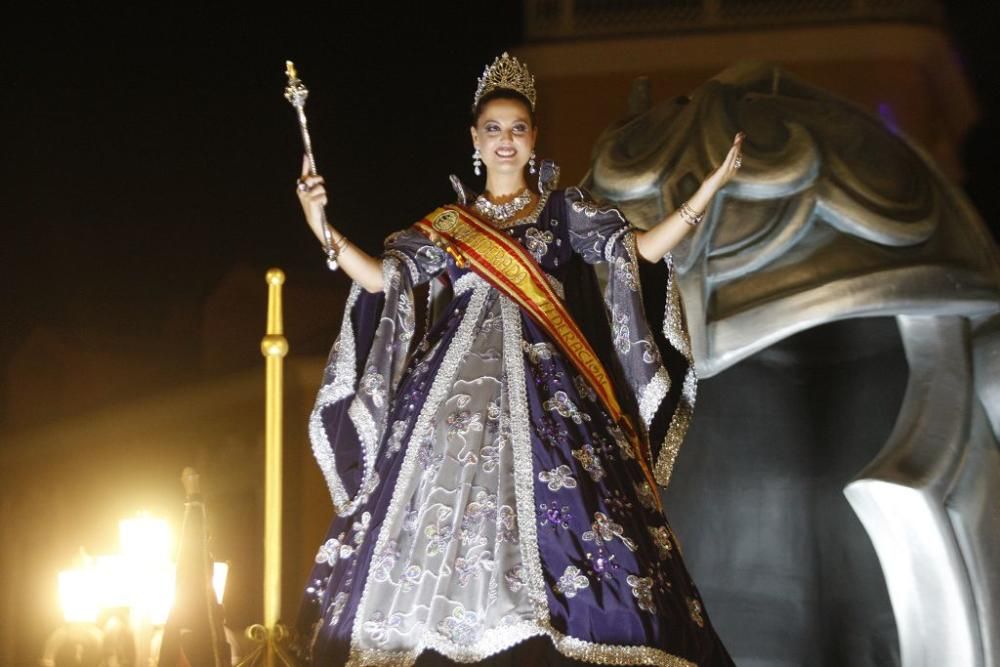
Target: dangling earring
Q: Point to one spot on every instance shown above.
(476, 162)
(531, 163)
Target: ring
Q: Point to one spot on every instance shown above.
(738, 162)
(303, 186)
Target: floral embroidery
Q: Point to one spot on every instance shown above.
(625, 272)
(482, 507)
(439, 536)
(619, 330)
(646, 495)
(361, 528)
(661, 538)
(410, 578)
(642, 590)
(538, 352)
(384, 561)
(694, 607)
(600, 564)
(339, 602)
(537, 242)
(650, 353)
(604, 530)
(377, 626)
(584, 389)
(590, 462)
(468, 568)
(558, 478)
(561, 403)
(463, 421)
(514, 578)
(552, 432)
(462, 627)
(373, 384)
(334, 549)
(624, 446)
(428, 460)
(554, 515)
(490, 458)
(571, 581)
(493, 414)
(507, 525)
(395, 442)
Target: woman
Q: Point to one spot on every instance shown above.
(495, 483)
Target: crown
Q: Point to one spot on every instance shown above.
(506, 72)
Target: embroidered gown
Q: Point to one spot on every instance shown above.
(483, 496)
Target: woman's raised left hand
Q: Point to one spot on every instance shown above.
(725, 171)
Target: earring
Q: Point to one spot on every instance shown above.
(476, 162)
(531, 163)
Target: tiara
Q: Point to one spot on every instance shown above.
(508, 73)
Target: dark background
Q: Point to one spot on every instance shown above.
(148, 150)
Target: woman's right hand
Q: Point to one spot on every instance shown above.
(311, 191)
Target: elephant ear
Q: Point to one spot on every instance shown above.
(835, 213)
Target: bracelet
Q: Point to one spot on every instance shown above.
(333, 252)
(689, 216)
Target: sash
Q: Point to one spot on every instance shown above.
(506, 265)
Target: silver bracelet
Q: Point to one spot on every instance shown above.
(689, 216)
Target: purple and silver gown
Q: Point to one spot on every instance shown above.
(483, 497)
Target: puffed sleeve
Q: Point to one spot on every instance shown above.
(421, 258)
(657, 366)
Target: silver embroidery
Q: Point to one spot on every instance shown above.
(506, 525)
(395, 442)
(377, 626)
(339, 602)
(619, 330)
(571, 581)
(537, 242)
(625, 271)
(334, 549)
(642, 590)
(590, 462)
(559, 477)
(538, 352)
(462, 627)
(652, 395)
(561, 403)
(483, 508)
(604, 530)
(514, 578)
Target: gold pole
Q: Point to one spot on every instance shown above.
(274, 347)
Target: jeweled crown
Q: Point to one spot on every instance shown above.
(506, 72)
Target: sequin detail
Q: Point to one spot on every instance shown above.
(559, 477)
(571, 581)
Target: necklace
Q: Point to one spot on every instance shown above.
(507, 210)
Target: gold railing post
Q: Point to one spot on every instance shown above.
(270, 636)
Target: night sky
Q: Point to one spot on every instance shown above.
(148, 150)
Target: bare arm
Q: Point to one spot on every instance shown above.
(359, 265)
(656, 242)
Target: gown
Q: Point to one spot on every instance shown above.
(484, 500)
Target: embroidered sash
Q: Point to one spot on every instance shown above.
(506, 265)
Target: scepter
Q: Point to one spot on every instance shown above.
(296, 93)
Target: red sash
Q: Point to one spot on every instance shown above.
(506, 265)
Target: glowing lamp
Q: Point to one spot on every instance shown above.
(78, 593)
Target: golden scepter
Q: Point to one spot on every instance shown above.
(296, 93)
(271, 636)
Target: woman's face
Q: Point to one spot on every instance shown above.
(504, 136)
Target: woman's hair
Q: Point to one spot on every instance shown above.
(501, 94)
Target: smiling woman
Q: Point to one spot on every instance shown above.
(495, 478)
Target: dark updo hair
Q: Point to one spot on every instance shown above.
(501, 94)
